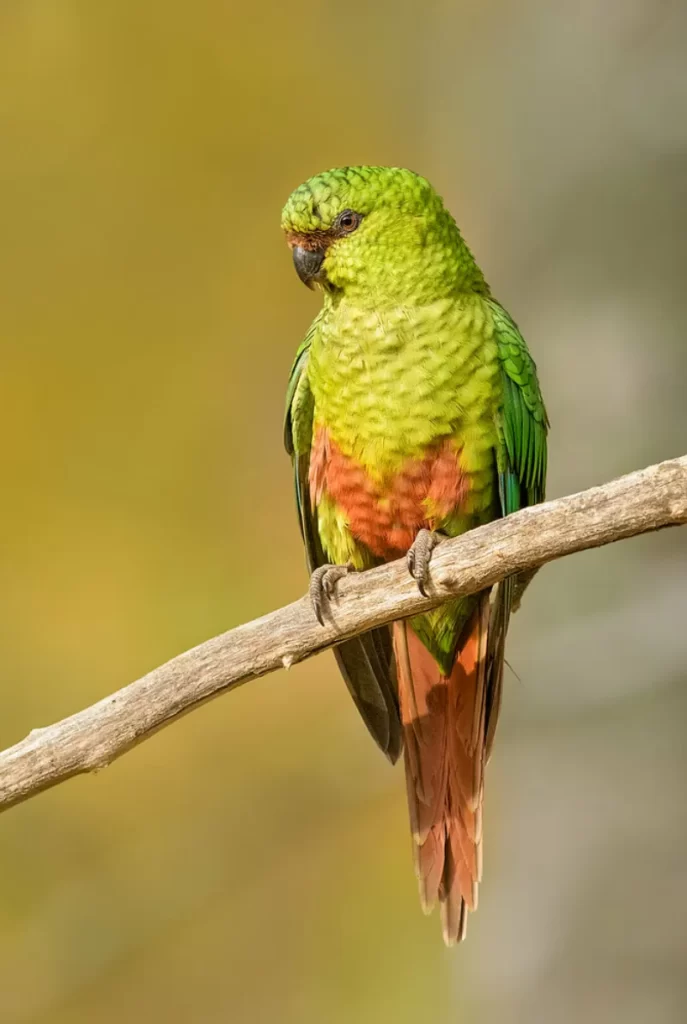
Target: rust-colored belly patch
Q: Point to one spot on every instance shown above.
(387, 516)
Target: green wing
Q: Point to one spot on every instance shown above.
(366, 662)
(523, 423)
(521, 465)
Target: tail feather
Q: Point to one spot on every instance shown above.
(445, 721)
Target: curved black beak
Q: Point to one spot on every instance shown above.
(308, 264)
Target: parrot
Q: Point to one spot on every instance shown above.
(413, 413)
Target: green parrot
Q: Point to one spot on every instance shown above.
(413, 413)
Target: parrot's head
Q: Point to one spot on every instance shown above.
(377, 234)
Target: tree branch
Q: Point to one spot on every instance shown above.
(638, 503)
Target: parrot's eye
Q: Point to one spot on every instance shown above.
(348, 221)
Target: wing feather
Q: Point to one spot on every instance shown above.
(366, 662)
(521, 462)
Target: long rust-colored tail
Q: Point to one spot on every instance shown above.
(445, 726)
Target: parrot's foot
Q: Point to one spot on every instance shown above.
(323, 586)
(419, 556)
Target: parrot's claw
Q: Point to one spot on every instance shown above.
(323, 587)
(419, 556)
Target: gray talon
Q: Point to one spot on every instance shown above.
(419, 556)
(323, 587)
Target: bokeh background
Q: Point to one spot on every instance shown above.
(252, 862)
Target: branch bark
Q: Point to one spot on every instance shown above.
(647, 500)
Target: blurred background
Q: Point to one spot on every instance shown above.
(252, 862)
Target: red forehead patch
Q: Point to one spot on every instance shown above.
(311, 241)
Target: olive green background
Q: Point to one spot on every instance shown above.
(252, 862)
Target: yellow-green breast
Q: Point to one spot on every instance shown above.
(404, 423)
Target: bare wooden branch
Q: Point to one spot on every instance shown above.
(640, 502)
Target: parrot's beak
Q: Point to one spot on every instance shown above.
(308, 264)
